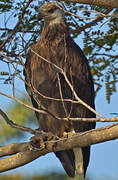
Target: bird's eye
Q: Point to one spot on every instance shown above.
(51, 10)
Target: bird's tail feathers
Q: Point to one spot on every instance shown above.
(67, 161)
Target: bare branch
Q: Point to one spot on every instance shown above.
(20, 30)
(107, 3)
(14, 125)
(98, 14)
(91, 119)
(20, 102)
(78, 99)
(33, 150)
(106, 35)
(92, 23)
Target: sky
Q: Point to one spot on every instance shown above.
(103, 162)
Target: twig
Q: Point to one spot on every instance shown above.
(78, 99)
(16, 26)
(71, 87)
(91, 119)
(108, 3)
(83, 17)
(106, 35)
(80, 29)
(20, 102)
(14, 125)
(20, 30)
(60, 90)
(11, 62)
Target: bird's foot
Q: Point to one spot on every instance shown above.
(37, 142)
(68, 134)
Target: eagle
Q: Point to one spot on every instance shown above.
(55, 53)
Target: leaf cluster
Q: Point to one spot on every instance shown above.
(5, 5)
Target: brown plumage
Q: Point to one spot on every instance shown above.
(56, 46)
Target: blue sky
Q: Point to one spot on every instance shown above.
(104, 157)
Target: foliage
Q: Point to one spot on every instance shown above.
(20, 115)
(52, 176)
(98, 45)
(5, 5)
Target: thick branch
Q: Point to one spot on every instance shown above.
(19, 159)
(13, 149)
(73, 140)
(104, 3)
(85, 138)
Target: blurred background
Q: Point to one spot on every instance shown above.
(99, 46)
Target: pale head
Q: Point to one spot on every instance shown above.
(52, 13)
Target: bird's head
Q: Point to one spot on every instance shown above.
(51, 13)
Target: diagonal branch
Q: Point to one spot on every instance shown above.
(68, 82)
(78, 99)
(14, 125)
(92, 23)
(22, 103)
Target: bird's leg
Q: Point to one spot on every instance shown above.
(79, 161)
(37, 142)
(79, 166)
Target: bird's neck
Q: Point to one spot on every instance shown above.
(52, 32)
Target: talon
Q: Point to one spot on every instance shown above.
(37, 142)
(65, 134)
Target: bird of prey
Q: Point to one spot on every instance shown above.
(56, 51)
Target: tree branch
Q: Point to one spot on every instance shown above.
(16, 26)
(13, 149)
(14, 125)
(20, 30)
(34, 149)
(92, 23)
(19, 159)
(105, 3)
(22, 103)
